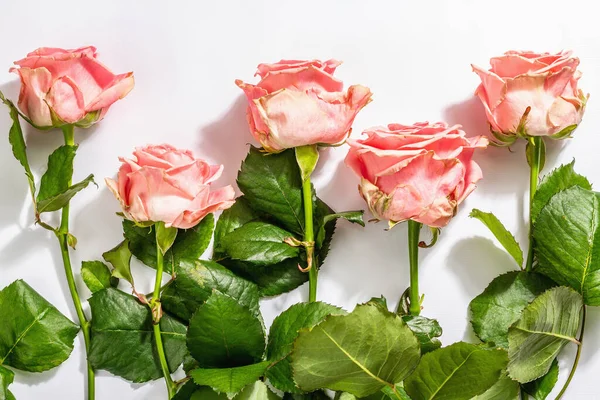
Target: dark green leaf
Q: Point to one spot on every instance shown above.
(120, 258)
(316, 395)
(224, 333)
(356, 217)
(6, 378)
(541, 387)
(504, 389)
(229, 380)
(426, 330)
(257, 391)
(307, 158)
(196, 281)
(458, 372)
(506, 239)
(123, 338)
(165, 236)
(190, 244)
(259, 243)
(501, 303)
(60, 200)
(97, 276)
(231, 219)
(284, 332)
(556, 181)
(272, 184)
(186, 391)
(546, 326)
(57, 178)
(380, 301)
(34, 335)
(359, 353)
(567, 241)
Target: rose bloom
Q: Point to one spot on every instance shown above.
(298, 103)
(61, 87)
(420, 172)
(547, 83)
(162, 183)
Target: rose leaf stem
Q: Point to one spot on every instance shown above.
(577, 356)
(537, 154)
(156, 314)
(309, 240)
(63, 239)
(414, 228)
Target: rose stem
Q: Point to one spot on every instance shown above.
(577, 356)
(309, 240)
(414, 228)
(63, 239)
(538, 147)
(156, 315)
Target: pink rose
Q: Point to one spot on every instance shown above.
(546, 83)
(162, 183)
(298, 103)
(420, 172)
(68, 87)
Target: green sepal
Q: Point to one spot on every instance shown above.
(307, 158)
(165, 237)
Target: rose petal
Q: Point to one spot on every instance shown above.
(35, 84)
(66, 100)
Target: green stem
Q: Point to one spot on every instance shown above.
(309, 240)
(577, 356)
(63, 236)
(538, 147)
(414, 228)
(156, 314)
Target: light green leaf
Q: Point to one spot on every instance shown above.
(546, 326)
(271, 184)
(229, 380)
(506, 239)
(57, 178)
(122, 331)
(259, 243)
(501, 303)
(6, 378)
(542, 387)
(458, 372)
(231, 219)
(34, 335)
(97, 276)
(60, 200)
(257, 391)
(356, 217)
(567, 241)
(195, 283)
(165, 237)
(189, 244)
(223, 333)
(426, 330)
(206, 393)
(307, 158)
(120, 258)
(504, 389)
(359, 353)
(559, 179)
(284, 332)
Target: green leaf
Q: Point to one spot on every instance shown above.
(224, 333)
(6, 378)
(17, 142)
(229, 380)
(272, 184)
(284, 332)
(191, 391)
(259, 243)
(34, 335)
(546, 326)
(307, 158)
(189, 244)
(196, 281)
(186, 391)
(504, 389)
(559, 179)
(316, 395)
(356, 217)
(57, 178)
(231, 219)
(501, 303)
(542, 387)
(97, 276)
(359, 353)
(506, 239)
(567, 241)
(458, 372)
(61, 199)
(122, 332)
(426, 330)
(257, 391)
(120, 258)
(165, 236)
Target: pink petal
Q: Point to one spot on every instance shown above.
(120, 87)
(302, 79)
(493, 86)
(66, 100)
(35, 84)
(328, 66)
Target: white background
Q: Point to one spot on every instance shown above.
(415, 56)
